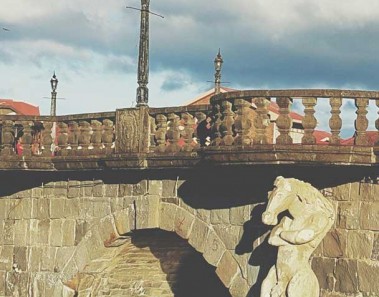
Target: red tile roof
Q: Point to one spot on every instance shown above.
(372, 137)
(322, 137)
(205, 99)
(19, 107)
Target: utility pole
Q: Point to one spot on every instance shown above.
(143, 57)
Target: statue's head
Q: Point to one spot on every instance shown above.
(279, 199)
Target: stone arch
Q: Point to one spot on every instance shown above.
(149, 213)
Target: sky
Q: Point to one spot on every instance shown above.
(92, 45)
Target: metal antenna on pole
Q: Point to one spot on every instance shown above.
(143, 56)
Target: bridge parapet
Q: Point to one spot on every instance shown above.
(246, 127)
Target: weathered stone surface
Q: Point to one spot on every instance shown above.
(167, 216)
(239, 215)
(71, 208)
(111, 191)
(20, 258)
(2, 283)
(21, 228)
(6, 257)
(122, 221)
(86, 188)
(198, 235)
(155, 187)
(335, 243)
(62, 257)
(56, 207)
(229, 235)
(125, 190)
(68, 232)
(147, 212)
(9, 231)
(348, 215)
(43, 231)
(346, 274)
(35, 259)
(369, 216)
(37, 192)
(204, 215)
(324, 270)
(169, 188)
(107, 230)
(183, 223)
(239, 287)
(98, 188)
(214, 249)
(368, 276)
(48, 258)
(220, 216)
(56, 232)
(342, 192)
(375, 249)
(227, 269)
(41, 209)
(140, 188)
(360, 244)
(61, 189)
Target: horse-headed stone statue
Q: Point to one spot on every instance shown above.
(297, 236)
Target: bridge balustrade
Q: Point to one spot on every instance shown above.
(241, 121)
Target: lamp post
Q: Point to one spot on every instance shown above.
(143, 57)
(53, 106)
(218, 65)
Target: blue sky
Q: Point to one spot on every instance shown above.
(93, 47)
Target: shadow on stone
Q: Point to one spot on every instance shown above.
(187, 273)
(254, 241)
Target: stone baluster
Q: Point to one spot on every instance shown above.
(227, 123)
(160, 134)
(261, 120)
(62, 139)
(173, 134)
(242, 122)
(199, 117)
(108, 135)
(7, 138)
(187, 133)
(73, 137)
(153, 130)
(284, 121)
(84, 137)
(27, 138)
(97, 131)
(216, 127)
(309, 120)
(335, 122)
(377, 121)
(361, 123)
(47, 139)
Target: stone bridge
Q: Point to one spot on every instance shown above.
(128, 203)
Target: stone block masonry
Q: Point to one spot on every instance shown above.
(50, 233)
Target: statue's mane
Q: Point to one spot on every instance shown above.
(308, 194)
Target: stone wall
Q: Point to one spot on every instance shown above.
(347, 261)
(50, 232)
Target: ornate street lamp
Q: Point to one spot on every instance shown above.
(54, 84)
(218, 65)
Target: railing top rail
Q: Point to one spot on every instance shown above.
(64, 118)
(179, 109)
(319, 93)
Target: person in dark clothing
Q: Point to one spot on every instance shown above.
(204, 131)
